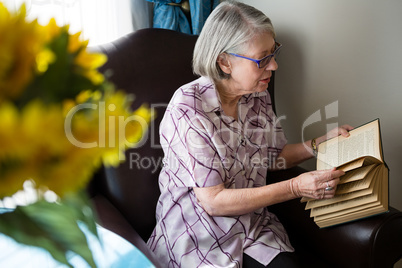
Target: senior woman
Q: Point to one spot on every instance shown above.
(220, 136)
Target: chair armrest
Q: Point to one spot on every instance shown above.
(372, 242)
(110, 218)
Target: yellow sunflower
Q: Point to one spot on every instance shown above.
(21, 42)
(58, 142)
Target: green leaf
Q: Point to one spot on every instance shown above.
(83, 209)
(51, 226)
(22, 229)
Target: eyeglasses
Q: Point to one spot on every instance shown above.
(262, 63)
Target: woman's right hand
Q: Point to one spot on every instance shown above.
(312, 184)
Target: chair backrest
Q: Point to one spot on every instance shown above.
(151, 64)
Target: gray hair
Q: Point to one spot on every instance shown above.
(229, 28)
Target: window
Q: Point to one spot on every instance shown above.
(100, 21)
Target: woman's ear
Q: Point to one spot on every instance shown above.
(224, 63)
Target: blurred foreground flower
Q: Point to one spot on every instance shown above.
(60, 119)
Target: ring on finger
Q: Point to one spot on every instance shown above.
(328, 188)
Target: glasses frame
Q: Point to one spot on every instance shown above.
(273, 55)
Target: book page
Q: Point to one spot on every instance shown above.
(352, 165)
(369, 210)
(344, 205)
(354, 185)
(363, 141)
(354, 175)
(340, 213)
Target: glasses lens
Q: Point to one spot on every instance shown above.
(265, 61)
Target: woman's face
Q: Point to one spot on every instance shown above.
(246, 77)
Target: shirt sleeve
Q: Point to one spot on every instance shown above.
(190, 154)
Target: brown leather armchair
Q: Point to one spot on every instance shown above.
(152, 64)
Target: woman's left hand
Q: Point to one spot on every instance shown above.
(342, 130)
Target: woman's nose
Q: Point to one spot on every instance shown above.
(272, 65)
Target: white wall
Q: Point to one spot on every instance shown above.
(347, 52)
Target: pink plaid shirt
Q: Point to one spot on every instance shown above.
(204, 147)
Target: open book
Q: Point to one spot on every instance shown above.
(363, 190)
